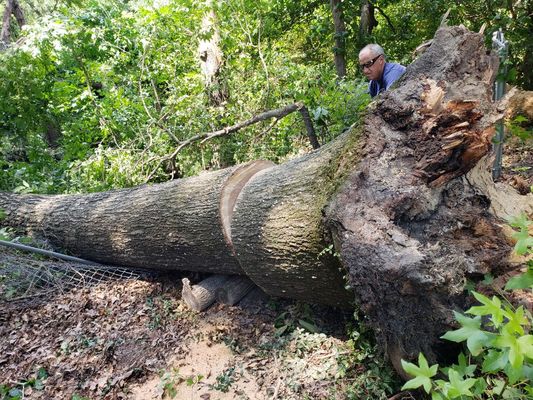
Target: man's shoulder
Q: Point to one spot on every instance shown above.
(394, 68)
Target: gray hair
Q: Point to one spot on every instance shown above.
(375, 49)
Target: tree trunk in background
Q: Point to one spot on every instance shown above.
(12, 7)
(339, 50)
(390, 194)
(368, 20)
(211, 58)
(6, 24)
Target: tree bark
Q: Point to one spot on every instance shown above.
(368, 20)
(6, 24)
(408, 227)
(339, 51)
(211, 58)
(234, 290)
(203, 294)
(12, 8)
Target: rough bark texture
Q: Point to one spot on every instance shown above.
(278, 229)
(368, 19)
(175, 225)
(211, 59)
(234, 290)
(409, 230)
(202, 295)
(390, 194)
(12, 7)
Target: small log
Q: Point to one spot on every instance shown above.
(234, 290)
(202, 295)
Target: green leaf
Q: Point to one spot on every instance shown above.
(458, 386)
(514, 374)
(417, 382)
(463, 367)
(308, 326)
(499, 385)
(519, 221)
(518, 348)
(476, 339)
(516, 321)
(422, 373)
(495, 360)
(436, 396)
(522, 281)
(490, 307)
(525, 343)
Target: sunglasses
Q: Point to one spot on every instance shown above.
(370, 63)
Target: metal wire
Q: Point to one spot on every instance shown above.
(500, 45)
(24, 275)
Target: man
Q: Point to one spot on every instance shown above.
(380, 73)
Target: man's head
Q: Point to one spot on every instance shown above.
(372, 61)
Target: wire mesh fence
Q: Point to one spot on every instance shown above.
(25, 275)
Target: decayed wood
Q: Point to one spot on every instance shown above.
(234, 290)
(202, 295)
(408, 229)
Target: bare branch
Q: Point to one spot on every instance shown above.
(278, 113)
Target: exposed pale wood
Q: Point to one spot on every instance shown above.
(202, 295)
(234, 290)
(505, 201)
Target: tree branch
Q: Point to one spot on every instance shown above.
(278, 113)
(384, 16)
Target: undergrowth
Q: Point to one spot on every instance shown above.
(497, 362)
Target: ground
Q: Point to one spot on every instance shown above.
(135, 339)
(92, 334)
(517, 164)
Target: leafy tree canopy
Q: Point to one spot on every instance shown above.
(98, 94)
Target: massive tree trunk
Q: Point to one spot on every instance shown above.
(390, 194)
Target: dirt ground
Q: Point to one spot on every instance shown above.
(136, 339)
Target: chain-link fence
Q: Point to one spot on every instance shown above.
(26, 275)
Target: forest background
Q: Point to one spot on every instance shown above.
(100, 94)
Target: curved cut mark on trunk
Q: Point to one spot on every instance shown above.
(231, 190)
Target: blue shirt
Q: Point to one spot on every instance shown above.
(391, 73)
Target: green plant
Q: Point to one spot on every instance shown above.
(169, 381)
(499, 347)
(17, 391)
(362, 373)
(225, 380)
(76, 396)
(523, 246)
(194, 380)
(299, 315)
(516, 128)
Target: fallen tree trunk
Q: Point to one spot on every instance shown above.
(390, 194)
